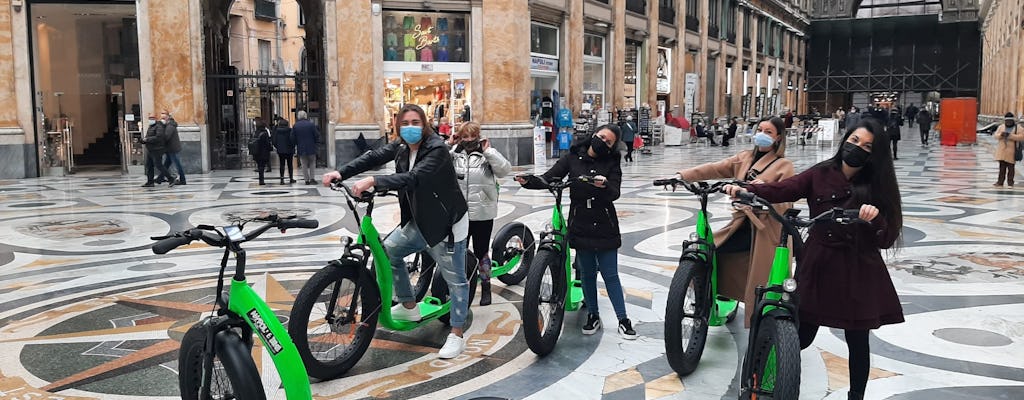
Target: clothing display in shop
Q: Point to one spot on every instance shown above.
(459, 41)
(391, 39)
(457, 55)
(439, 93)
(439, 111)
(391, 54)
(390, 23)
(409, 40)
(410, 54)
(425, 23)
(442, 40)
(408, 22)
(427, 55)
(442, 55)
(442, 24)
(460, 25)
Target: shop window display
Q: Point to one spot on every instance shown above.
(425, 37)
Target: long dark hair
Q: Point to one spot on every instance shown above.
(875, 183)
(427, 129)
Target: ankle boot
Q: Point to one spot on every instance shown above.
(485, 293)
(855, 396)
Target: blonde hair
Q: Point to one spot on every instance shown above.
(469, 127)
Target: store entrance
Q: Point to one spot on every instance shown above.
(443, 96)
(88, 92)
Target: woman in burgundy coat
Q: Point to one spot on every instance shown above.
(843, 279)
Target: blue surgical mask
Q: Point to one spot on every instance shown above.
(411, 134)
(152, 122)
(762, 139)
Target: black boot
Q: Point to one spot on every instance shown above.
(855, 396)
(485, 293)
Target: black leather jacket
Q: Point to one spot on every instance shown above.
(428, 193)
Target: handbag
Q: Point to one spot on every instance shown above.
(1018, 151)
(638, 142)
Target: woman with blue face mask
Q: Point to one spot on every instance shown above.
(434, 215)
(747, 244)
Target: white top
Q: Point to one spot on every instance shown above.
(461, 228)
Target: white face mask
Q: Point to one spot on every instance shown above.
(152, 122)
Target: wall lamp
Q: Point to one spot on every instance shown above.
(16, 5)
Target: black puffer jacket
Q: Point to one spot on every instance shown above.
(156, 139)
(593, 224)
(171, 133)
(428, 194)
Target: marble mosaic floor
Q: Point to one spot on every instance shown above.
(88, 312)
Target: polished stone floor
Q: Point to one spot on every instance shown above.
(88, 312)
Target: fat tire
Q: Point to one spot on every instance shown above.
(498, 246)
(689, 274)
(439, 288)
(322, 284)
(780, 333)
(543, 342)
(231, 353)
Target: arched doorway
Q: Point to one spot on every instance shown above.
(263, 62)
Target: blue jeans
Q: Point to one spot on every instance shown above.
(173, 158)
(406, 240)
(607, 262)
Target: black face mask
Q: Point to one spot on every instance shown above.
(1010, 123)
(853, 155)
(599, 146)
(470, 146)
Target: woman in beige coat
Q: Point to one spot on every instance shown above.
(740, 270)
(1007, 136)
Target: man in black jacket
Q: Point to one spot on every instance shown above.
(434, 215)
(173, 146)
(156, 146)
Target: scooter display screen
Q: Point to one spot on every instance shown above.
(234, 233)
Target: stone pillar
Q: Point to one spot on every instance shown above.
(176, 76)
(17, 131)
(618, 54)
(653, 24)
(737, 67)
(354, 93)
(754, 65)
(679, 59)
(505, 117)
(701, 98)
(573, 68)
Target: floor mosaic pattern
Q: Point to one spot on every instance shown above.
(87, 311)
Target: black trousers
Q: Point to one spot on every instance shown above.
(285, 159)
(261, 168)
(629, 150)
(1007, 171)
(924, 133)
(156, 161)
(860, 353)
(480, 235)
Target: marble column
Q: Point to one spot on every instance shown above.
(17, 142)
(754, 83)
(573, 68)
(700, 98)
(653, 24)
(176, 75)
(354, 107)
(618, 58)
(737, 66)
(505, 117)
(679, 59)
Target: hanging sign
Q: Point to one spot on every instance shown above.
(252, 102)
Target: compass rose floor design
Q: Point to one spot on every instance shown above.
(87, 311)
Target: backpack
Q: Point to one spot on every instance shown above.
(1018, 151)
(254, 142)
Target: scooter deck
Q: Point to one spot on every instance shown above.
(575, 295)
(431, 308)
(724, 307)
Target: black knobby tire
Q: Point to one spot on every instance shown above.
(421, 273)
(502, 251)
(783, 381)
(331, 348)
(685, 335)
(234, 373)
(544, 302)
(439, 288)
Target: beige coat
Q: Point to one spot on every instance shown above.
(1004, 147)
(740, 273)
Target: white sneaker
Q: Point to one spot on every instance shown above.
(399, 312)
(452, 347)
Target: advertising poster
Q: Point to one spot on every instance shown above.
(689, 96)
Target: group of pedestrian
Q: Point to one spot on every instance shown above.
(299, 140)
(162, 147)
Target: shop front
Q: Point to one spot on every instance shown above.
(663, 83)
(634, 69)
(427, 63)
(544, 69)
(594, 53)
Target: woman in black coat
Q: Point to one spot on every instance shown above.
(593, 223)
(285, 146)
(263, 148)
(843, 279)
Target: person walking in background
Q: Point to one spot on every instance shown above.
(911, 114)
(893, 129)
(156, 147)
(730, 132)
(593, 222)
(841, 116)
(285, 146)
(628, 134)
(306, 137)
(853, 117)
(1007, 136)
(924, 125)
(173, 146)
(477, 166)
(261, 152)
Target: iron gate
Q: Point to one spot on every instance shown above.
(235, 99)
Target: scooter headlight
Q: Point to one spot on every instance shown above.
(789, 285)
(548, 227)
(694, 236)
